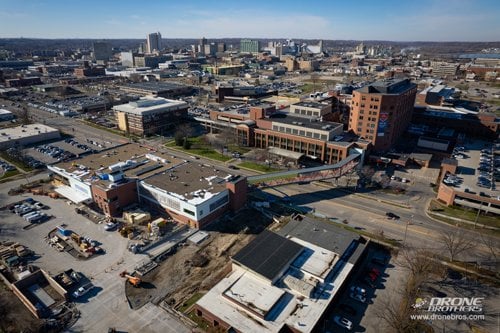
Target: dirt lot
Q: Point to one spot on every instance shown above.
(194, 269)
(14, 316)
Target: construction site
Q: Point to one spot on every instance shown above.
(200, 264)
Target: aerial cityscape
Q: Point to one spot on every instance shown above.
(250, 167)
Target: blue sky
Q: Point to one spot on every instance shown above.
(402, 20)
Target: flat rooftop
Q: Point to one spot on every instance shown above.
(324, 235)
(315, 262)
(311, 104)
(251, 293)
(313, 123)
(388, 86)
(155, 86)
(23, 131)
(268, 254)
(85, 167)
(191, 181)
(151, 105)
(251, 305)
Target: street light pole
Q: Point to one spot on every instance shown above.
(477, 215)
(406, 229)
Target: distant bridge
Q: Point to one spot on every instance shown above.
(306, 175)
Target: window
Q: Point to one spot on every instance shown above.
(218, 203)
(190, 212)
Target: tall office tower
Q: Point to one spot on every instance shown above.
(381, 111)
(102, 51)
(153, 42)
(221, 47)
(201, 45)
(249, 46)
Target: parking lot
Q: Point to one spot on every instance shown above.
(478, 170)
(375, 280)
(105, 305)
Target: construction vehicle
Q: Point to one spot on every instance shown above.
(133, 280)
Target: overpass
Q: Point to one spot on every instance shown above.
(306, 175)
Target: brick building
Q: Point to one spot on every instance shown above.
(381, 111)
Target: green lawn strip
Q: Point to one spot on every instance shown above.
(188, 303)
(241, 150)
(257, 167)
(16, 162)
(198, 147)
(8, 174)
(461, 213)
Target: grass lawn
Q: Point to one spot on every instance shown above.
(257, 167)
(241, 150)
(459, 212)
(8, 174)
(17, 163)
(198, 147)
(309, 87)
(187, 304)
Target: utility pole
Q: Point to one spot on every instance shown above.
(477, 215)
(406, 228)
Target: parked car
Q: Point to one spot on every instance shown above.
(110, 226)
(82, 290)
(358, 297)
(379, 261)
(343, 322)
(358, 290)
(39, 205)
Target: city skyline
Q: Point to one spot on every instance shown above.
(429, 20)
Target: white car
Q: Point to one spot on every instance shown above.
(110, 226)
(358, 290)
(343, 322)
(358, 297)
(82, 290)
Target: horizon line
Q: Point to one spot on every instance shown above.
(277, 38)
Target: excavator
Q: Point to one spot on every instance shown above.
(133, 280)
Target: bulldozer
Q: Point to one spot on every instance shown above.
(133, 280)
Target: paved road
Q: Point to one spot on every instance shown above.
(370, 215)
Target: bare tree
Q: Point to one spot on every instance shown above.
(395, 312)
(455, 242)
(228, 135)
(314, 79)
(492, 244)
(25, 117)
(418, 262)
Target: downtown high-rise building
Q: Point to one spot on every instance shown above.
(153, 42)
(249, 46)
(102, 51)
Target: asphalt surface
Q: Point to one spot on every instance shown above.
(413, 228)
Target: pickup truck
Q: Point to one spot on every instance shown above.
(82, 290)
